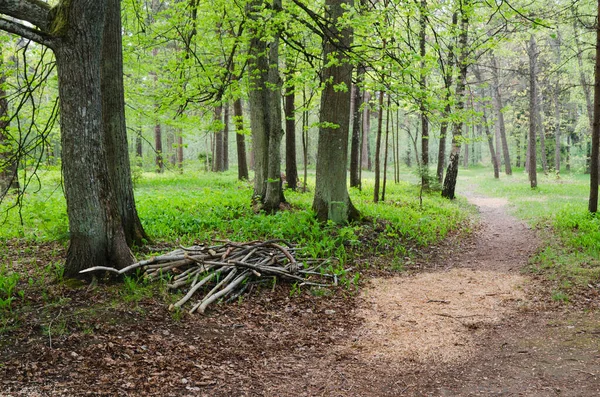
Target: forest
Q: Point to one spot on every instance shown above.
(334, 185)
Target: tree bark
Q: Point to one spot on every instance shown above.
(422, 102)
(365, 160)
(218, 160)
(356, 124)
(448, 190)
(557, 137)
(532, 52)
(594, 177)
(291, 168)
(113, 119)
(96, 229)
(331, 200)
(240, 139)
(226, 136)
(8, 164)
(498, 106)
(378, 147)
(541, 129)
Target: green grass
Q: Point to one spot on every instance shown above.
(570, 256)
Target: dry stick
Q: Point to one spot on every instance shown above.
(195, 288)
(217, 287)
(223, 292)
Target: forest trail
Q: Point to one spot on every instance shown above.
(468, 325)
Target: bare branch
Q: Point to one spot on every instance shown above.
(26, 32)
(35, 12)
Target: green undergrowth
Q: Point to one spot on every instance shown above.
(570, 256)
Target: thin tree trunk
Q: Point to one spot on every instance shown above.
(422, 106)
(498, 106)
(594, 163)
(385, 152)
(218, 148)
(180, 150)
(378, 147)
(160, 166)
(171, 146)
(240, 139)
(542, 130)
(305, 138)
(586, 89)
(557, 137)
(449, 187)
(532, 52)
(356, 124)
(225, 136)
(291, 168)
(365, 161)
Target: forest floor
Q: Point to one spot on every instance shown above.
(463, 321)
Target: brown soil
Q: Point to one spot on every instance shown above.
(468, 323)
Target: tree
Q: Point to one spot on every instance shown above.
(331, 200)
(291, 169)
(356, 127)
(8, 165)
(594, 163)
(74, 31)
(265, 110)
(422, 102)
(238, 118)
(532, 52)
(115, 130)
(452, 171)
(498, 106)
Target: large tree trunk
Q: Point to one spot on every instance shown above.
(532, 52)
(498, 106)
(291, 168)
(356, 124)
(265, 114)
(96, 229)
(448, 190)
(113, 119)
(594, 177)
(8, 163)
(240, 138)
(331, 200)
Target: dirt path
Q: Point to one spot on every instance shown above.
(469, 328)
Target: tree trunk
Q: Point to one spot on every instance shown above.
(115, 130)
(365, 162)
(331, 200)
(274, 193)
(218, 161)
(422, 102)
(138, 146)
(225, 137)
(291, 168)
(385, 151)
(541, 129)
(586, 89)
(8, 164)
(448, 79)
(594, 178)
(378, 147)
(557, 137)
(498, 106)
(240, 139)
(356, 124)
(180, 150)
(448, 190)
(532, 52)
(96, 230)
(171, 146)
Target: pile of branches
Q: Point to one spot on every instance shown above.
(230, 268)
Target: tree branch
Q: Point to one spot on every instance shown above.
(35, 12)
(26, 32)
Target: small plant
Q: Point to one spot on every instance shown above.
(295, 290)
(8, 286)
(559, 296)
